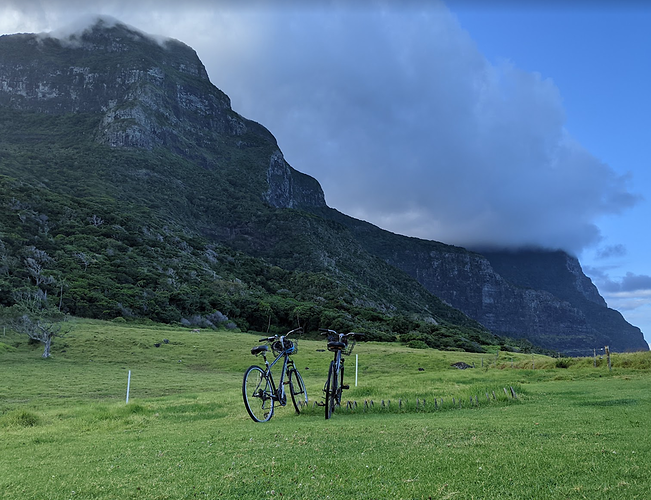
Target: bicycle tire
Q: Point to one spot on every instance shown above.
(331, 391)
(297, 390)
(257, 393)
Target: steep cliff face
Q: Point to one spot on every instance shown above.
(289, 188)
(539, 295)
(561, 275)
(147, 93)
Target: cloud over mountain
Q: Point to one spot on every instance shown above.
(407, 125)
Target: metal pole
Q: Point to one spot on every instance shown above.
(128, 386)
(356, 367)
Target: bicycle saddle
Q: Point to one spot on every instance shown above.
(336, 346)
(259, 348)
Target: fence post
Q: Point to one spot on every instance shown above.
(128, 386)
(356, 365)
(607, 348)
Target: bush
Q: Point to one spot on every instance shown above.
(417, 344)
(563, 363)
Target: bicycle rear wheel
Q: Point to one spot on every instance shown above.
(257, 393)
(331, 391)
(297, 390)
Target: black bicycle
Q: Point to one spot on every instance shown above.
(259, 389)
(342, 345)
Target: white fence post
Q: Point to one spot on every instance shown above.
(128, 386)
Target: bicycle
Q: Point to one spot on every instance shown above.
(259, 389)
(342, 345)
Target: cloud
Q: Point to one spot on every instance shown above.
(408, 126)
(395, 111)
(629, 283)
(610, 251)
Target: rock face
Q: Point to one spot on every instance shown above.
(539, 295)
(289, 188)
(149, 94)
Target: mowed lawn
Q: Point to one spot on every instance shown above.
(66, 431)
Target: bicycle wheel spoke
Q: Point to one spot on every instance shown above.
(257, 394)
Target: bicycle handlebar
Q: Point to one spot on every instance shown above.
(276, 337)
(326, 331)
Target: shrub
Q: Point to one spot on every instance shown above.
(417, 344)
(563, 363)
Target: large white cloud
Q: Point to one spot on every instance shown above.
(395, 111)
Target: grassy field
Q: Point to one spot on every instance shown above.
(66, 432)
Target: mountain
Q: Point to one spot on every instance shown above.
(540, 295)
(132, 189)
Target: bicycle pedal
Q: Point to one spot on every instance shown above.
(345, 387)
(320, 403)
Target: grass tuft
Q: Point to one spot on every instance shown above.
(19, 418)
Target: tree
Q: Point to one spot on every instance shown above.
(33, 316)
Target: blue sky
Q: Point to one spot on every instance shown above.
(472, 123)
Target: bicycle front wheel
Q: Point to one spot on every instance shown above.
(258, 394)
(297, 390)
(331, 391)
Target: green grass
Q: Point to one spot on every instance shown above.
(66, 432)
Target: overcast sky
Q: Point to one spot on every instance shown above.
(464, 123)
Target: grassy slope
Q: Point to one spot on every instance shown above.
(67, 433)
